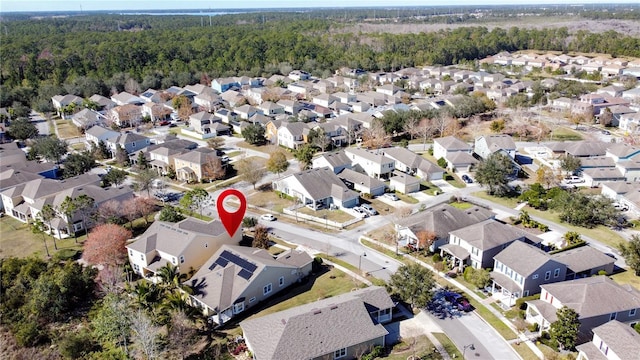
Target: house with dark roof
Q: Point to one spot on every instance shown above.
(440, 220)
(596, 299)
(162, 155)
(611, 341)
(477, 244)
(238, 278)
(104, 103)
(362, 183)
(186, 244)
(346, 326)
(61, 102)
(520, 269)
(317, 188)
(411, 163)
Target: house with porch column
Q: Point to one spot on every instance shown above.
(317, 188)
(520, 269)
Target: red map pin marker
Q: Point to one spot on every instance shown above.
(231, 220)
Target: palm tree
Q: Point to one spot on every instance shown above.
(68, 208)
(171, 277)
(146, 294)
(84, 204)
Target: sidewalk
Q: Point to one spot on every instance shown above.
(473, 295)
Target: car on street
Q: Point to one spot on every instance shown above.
(467, 179)
(573, 180)
(369, 209)
(267, 217)
(164, 123)
(463, 305)
(391, 196)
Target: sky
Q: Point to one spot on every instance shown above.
(91, 5)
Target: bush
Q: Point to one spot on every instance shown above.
(67, 254)
(28, 333)
(521, 302)
(317, 264)
(375, 353)
(249, 222)
(534, 327)
(442, 163)
(76, 345)
(366, 196)
(436, 258)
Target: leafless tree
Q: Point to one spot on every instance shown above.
(376, 137)
(181, 334)
(145, 334)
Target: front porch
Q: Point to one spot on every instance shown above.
(457, 255)
(504, 289)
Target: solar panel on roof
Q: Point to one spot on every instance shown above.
(222, 261)
(213, 266)
(238, 261)
(245, 274)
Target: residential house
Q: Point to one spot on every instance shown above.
(520, 269)
(196, 165)
(208, 101)
(233, 98)
(373, 162)
(585, 261)
(103, 103)
(269, 108)
(17, 200)
(404, 183)
(208, 125)
(456, 152)
(226, 115)
(440, 220)
(621, 152)
(297, 75)
(336, 161)
(125, 98)
(153, 96)
(596, 299)
(595, 176)
(68, 224)
(317, 188)
(87, 118)
(224, 84)
(630, 123)
(245, 111)
(155, 112)
(186, 244)
(61, 103)
(486, 145)
(95, 134)
(362, 183)
(126, 115)
(341, 327)
(612, 340)
(413, 164)
(290, 107)
(129, 141)
(477, 244)
(237, 278)
(161, 156)
(324, 100)
(292, 134)
(14, 174)
(611, 90)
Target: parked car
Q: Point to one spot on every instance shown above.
(391, 196)
(268, 217)
(369, 209)
(573, 180)
(463, 305)
(620, 207)
(164, 123)
(360, 211)
(467, 179)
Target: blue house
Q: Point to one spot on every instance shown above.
(223, 84)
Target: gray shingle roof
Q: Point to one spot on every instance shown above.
(444, 218)
(319, 328)
(523, 258)
(621, 338)
(377, 157)
(583, 258)
(359, 178)
(336, 159)
(491, 233)
(453, 143)
(319, 182)
(594, 296)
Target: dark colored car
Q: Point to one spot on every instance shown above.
(466, 179)
(463, 305)
(164, 123)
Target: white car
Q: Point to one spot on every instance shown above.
(267, 217)
(369, 209)
(391, 196)
(573, 180)
(360, 211)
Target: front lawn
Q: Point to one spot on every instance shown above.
(17, 240)
(66, 129)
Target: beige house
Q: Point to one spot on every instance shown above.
(597, 300)
(341, 327)
(186, 244)
(237, 278)
(195, 165)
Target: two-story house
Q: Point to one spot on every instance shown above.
(611, 341)
(336, 161)
(520, 269)
(456, 152)
(341, 327)
(196, 165)
(411, 163)
(373, 163)
(292, 134)
(596, 299)
(488, 144)
(186, 244)
(238, 278)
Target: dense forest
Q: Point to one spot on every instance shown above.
(88, 54)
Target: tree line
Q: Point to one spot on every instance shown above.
(99, 54)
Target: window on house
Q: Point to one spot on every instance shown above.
(136, 267)
(238, 308)
(613, 316)
(632, 312)
(266, 289)
(174, 261)
(339, 354)
(281, 281)
(130, 252)
(253, 299)
(141, 256)
(526, 293)
(547, 275)
(535, 276)
(181, 259)
(556, 273)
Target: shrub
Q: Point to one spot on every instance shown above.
(442, 163)
(375, 353)
(317, 264)
(76, 345)
(28, 333)
(521, 302)
(366, 196)
(67, 254)
(534, 327)
(436, 258)
(439, 266)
